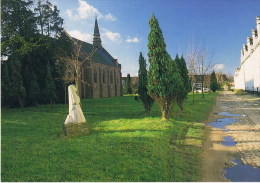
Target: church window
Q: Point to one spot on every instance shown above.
(111, 77)
(104, 77)
(95, 76)
(107, 77)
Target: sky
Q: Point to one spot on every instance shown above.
(219, 27)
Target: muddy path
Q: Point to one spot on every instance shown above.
(232, 145)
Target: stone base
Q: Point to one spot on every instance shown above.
(77, 129)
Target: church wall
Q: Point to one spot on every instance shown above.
(94, 85)
(100, 80)
(95, 81)
(119, 83)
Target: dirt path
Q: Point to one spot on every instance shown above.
(245, 132)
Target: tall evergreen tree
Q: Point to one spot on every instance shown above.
(17, 91)
(185, 88)
(50, 93)
(142, 85)
(5, 84)
(128, 88)
(32, 87)
(20, 36)
(163, 77)
(214, 86)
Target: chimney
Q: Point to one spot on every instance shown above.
(258, 27)
(116, 62)
(254, 36)
(249, 43)
(254, 33)
(245, 50)
(242, 54)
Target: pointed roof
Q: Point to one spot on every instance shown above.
(96, 30)
(100, 55)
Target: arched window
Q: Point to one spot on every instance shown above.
(104, 77)
(116, 78)
(111, 77)
(95, 76)
(107, 77)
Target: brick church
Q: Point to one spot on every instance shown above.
(101, 75)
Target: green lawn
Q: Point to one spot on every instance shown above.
(125, 144)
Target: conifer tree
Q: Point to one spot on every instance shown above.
(142, 85)
(163, 77)
(32, 87)
(128, 88)
(17, 90)
(5, 84)
(213, 82)
(185, 88)
(49, 86)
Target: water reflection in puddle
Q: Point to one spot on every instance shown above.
(228, 141)
(242, 173)
(225, 107)
(222, 122)
(225, 113)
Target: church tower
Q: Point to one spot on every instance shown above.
(96, 38)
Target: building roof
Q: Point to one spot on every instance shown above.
(100, 54)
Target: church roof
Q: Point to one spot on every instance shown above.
(100, 54)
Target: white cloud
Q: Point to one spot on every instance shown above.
(86, 11)
(113, 36)
(81, 36)
(69, 13)
(109, 16)
(133, 40)
(219, 67)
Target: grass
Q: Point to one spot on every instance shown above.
(125, 144)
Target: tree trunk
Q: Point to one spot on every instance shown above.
(166, 109)
(202, 85)
(21, 101)
(192, 94)
(179, 102)
(147, 108)
(65, 101)
(165, 114)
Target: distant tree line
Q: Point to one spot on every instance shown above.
(32, 35)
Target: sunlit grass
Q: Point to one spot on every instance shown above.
(125, 143)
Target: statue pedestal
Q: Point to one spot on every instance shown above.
(77, 129)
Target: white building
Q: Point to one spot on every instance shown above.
(247, 76)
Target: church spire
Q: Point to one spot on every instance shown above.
(96, 39)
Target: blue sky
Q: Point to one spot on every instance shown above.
(219, 26)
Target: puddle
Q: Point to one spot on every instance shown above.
(222, 122)
(242, 172)
(228, 141)
(225, 107)
(228, 114)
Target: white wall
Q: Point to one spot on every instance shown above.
(247, 76)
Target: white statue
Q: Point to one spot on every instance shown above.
(75, 113)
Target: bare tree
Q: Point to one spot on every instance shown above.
(70, 65)
(199, 64)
